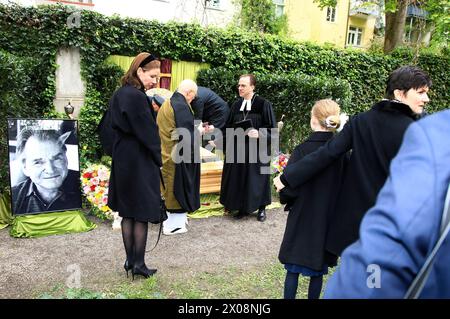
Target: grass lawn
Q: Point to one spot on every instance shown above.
(229, 284)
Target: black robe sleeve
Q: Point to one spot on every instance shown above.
(229, 124)
(269, 116)
(198, 105)
(268, 123)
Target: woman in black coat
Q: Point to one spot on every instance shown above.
(310, 207)
(374, 138)
(136, 158)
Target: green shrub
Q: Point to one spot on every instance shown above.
(105, 82)
(25, 90)
(40, 31)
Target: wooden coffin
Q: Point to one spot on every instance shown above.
(211, 172)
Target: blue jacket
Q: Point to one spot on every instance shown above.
(399, 232)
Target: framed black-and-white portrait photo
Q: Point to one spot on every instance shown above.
(43, 165)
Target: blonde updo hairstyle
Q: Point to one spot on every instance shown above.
(327, 113)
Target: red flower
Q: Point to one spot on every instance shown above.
(87, 175)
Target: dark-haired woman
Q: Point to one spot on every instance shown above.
(374, 137)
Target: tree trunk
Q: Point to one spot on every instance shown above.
(395, 26)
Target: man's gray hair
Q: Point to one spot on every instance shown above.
(186, 86)
(41, 135)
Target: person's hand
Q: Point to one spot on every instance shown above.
(278, 184)
(209, 128)
(212, 143)
(253, 133)
(201, 129)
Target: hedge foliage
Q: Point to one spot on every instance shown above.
(26, 90)
(291, 94)
(40, 31)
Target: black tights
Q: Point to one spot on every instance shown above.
(291, 284)
(315, 287)
(134, 234)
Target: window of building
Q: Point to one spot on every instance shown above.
(354, 36)
(331, 14)
(279, 7)
(213, 4)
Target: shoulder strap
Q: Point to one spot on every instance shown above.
(418, 284)
(162, 179)
(160, 224)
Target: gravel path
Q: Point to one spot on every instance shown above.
(32, 266)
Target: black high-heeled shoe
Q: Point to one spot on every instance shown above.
(144, 271)
(127, 266)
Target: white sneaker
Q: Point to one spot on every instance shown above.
(174, 231)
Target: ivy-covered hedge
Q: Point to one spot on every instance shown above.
(291, 94)
(41, 31)
(25, 91)
(104, 82)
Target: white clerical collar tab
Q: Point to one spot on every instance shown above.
(247, 104)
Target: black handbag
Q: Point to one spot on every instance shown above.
(162, 205)
(106, 132)
(162, 211)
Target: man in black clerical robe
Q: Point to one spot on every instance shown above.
(245, 185)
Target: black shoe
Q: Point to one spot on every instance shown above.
(144, 271)
(239, 215)
(127, 266)
(261, 215)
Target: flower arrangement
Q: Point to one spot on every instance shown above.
(279, 163)
(95, 182)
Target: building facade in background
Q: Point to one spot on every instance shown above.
(350, 23)
(217, 13)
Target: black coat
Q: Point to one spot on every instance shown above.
(243, 185)
(134, 183)
(310, 210)
(210, 107)
(186, 186)
(374, 137)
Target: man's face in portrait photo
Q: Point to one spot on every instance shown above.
(45, 162)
